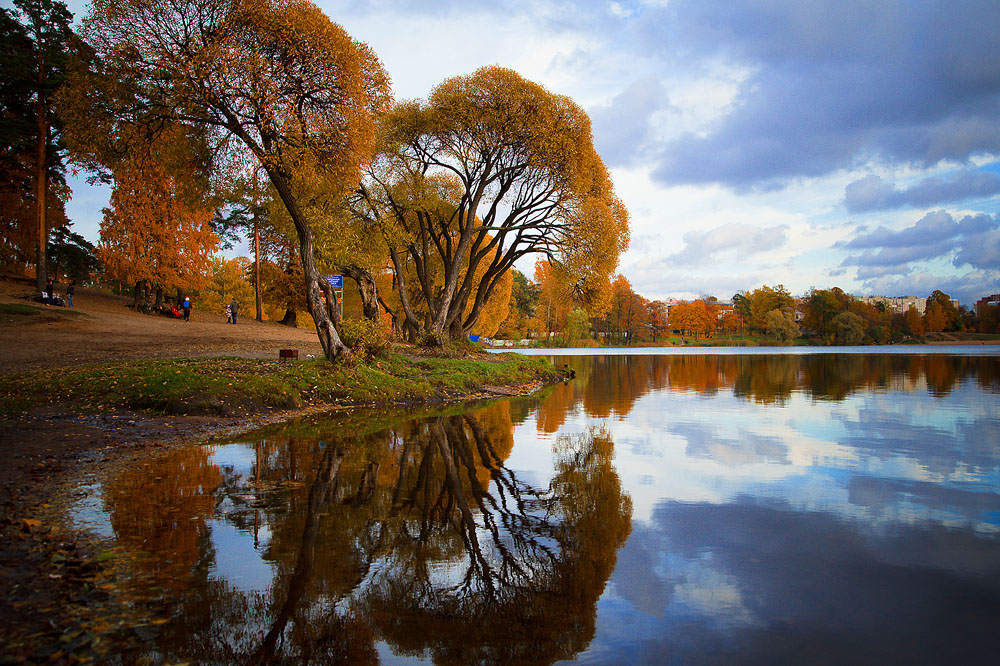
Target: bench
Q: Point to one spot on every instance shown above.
(288, 354)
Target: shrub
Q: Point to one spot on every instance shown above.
(366, 338)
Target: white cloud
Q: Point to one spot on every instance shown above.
(747, 119)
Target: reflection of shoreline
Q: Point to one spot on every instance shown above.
(991, 348)
(611, 384)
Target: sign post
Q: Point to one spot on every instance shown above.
(337, 282)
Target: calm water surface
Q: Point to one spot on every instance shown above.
(659, 509)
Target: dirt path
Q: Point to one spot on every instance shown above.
(102, 328)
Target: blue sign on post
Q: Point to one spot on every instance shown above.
(336, 281)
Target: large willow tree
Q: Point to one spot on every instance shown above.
(272, 83)
(489, 169)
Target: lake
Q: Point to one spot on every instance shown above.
(694, 507)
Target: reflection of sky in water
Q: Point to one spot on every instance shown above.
(808, 453)
(775, 533)
(237, 560)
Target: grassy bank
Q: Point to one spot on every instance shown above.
(238, 385)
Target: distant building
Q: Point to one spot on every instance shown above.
(991, 301)
(722, 308)
(898, 303)
(668, 304)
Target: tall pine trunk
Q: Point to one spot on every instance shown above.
(41, 274)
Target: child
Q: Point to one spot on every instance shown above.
(229, 314)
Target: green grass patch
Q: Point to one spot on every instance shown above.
(13, 312)
(18, 309)
(235, 385)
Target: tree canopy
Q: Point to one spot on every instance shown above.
(270, 83)
(491, 168)
(149, 237)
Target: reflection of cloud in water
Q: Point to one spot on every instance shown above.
(806, 450)
(747, 448)
(784, 586)
(950, 506)
(944, 439)
(635, 578)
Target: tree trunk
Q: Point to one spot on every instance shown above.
(404, 297)
(323, 314)
(366, 288)
(41, 274)
(256, 262)
(289, 319)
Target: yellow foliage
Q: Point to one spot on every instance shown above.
(228, 281)
(491, 168)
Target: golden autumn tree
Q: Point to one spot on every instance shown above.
(627, 317)
(228, 280)
(696, 318)
(656, 315)
(272, 83)
(765, 299)
(554, 298)
(151, 238)
(914, 322)
(489, 169)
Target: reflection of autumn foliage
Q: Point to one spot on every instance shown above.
(162, 508)
(702, 374)
(767, 379)
(616, 382)
(534, 563)
(610, 385)
(417, 535)
(552, 411)
(942, 373)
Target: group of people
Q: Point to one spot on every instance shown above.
(185, 310)
(49, 295)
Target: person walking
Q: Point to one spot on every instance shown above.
(70, 290)
(187, 308)
(234, 306)
(50, 289)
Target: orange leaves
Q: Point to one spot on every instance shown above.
(148, 234)
(695, 318)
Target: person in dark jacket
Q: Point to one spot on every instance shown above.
(233, 307)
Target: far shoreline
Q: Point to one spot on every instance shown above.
(980, 348)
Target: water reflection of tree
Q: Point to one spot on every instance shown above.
(159, 511)
(421, 537)
(611, 385)
(534, 562)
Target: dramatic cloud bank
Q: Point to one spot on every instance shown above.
(872, 193)
(806, 142)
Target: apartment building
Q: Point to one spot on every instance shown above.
(898, 303)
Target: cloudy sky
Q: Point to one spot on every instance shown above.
(803, 142)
